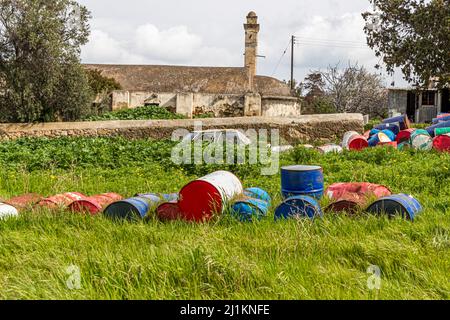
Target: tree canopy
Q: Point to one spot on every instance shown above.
(41, 77)
(413, 35)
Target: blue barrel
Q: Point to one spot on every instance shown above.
(299, 207)
(390, 134)
(302, 180)
(405, 205)
(379, 137)
(402, 120)
(445, 124)
(249, 209)
(373, 132)
(443, 119)
(160, 197)
(393, 127)
(130, 209)
(258, 193)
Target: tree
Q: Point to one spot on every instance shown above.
(314, 86)
(41, 77)
(101, 87)
(354, 89)
(413, 35)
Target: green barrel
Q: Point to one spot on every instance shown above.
(441, 131)
(421, 140)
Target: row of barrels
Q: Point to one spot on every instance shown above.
(397, 132)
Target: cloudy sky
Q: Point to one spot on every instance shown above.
(210, 33)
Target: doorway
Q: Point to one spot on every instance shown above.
(445, 104)
(411, 106)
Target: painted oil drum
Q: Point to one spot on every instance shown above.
(443, 115)
(390, 134)
(405, 205)
(354, 141)
(330, 148)
(299, 207)
(346, 190)
(169, 197)
(129, 209)
(403, 120)
(441, 131)
(258, 193)
(377, 138)
(300, 180)
(202, 198)
(440, 119)
(95, 204)
(442, 143)
(445, 124)
(250, 209)
(345, 205)
(373, 132)
(169, 211)
(392, 144)
(61, 200)
(393, 127)
(404, 135)
(421, 140)
(7, 211)
(26, 201)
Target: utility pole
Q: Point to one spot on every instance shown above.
(292, 62)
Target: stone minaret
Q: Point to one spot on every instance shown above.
(251, 48)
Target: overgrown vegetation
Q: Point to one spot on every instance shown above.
(223, 259)
(140, 113)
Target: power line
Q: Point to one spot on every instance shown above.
(330, 40)
(281, 59)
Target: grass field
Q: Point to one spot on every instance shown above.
(222, 259)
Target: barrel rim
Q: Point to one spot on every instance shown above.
(306, 168)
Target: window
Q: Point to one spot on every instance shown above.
(428, 98)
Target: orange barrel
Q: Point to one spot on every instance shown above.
(26, 201)
(61, 200)
(442, 143)
(169, 211)
(404, 135)
(202, 198)
(7, 211)
(94, 204)
(354, 141)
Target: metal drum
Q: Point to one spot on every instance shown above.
(393, 127)
(95, 204)
(354, 141)
(403, 120)
(163, 197)
(377, 138)
(250, 209)
(338, 191)
(441, 119)
(405, 205)
(442, 143)
(299, 207)
(24, 202)
(61, 200)
(202, 198)
(7, 211)
(404, 135)
(302, 180)
(257, 193)
(441, 131)
(130, 209)
(445, 124)
(169, 211)
(421, 140)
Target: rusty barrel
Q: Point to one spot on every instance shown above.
(24, 202)
(61, 200)
(95, 204)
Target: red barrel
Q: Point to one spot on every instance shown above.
(354, 141)
(339, 191)
(61, 200)
(442, 143)
(202, 198)
(25, 201)
(169, 211)
(404, 135)
(94, 204)
(349, 205)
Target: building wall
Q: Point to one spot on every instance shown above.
(397, 101)
(280, 107)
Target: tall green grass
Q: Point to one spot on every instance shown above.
(223, 259)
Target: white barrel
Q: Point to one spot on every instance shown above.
(7, 211)
(347, 137)
(421, 140)
(330, 148)
(201, 198)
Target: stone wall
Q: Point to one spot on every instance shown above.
(275, 106)
(314, 128)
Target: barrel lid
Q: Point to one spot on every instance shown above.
(301, 168)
